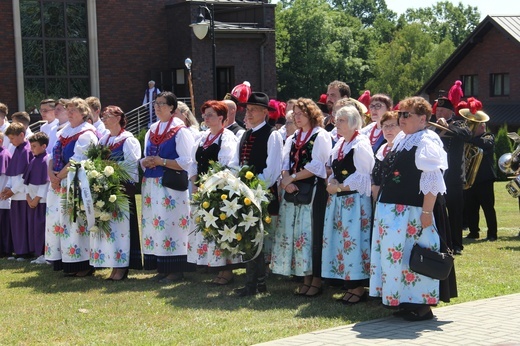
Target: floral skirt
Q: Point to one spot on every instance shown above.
(111, 251)
(165, 219)
(292, 243)
(394, 233)
(346, 238)
(53, 225)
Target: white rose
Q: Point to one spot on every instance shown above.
(112, 198)
(96, 188)
(109, 170)
(97, 213)
(94, 229)
(93, 174)
(105, 216)
(100, 204)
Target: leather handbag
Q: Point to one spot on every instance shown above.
(302, 196)
(175, 179)
(436, 265)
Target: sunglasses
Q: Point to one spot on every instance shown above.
(405, 115)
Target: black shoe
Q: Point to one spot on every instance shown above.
(457, 251)
(261, 288)
(414, 316)
(472, 235)
(246, 291)
(491, 239)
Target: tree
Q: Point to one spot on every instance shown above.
(446, 21)
(314, 48)
(402, 66)
(365, 10)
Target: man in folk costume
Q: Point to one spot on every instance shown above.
(239, 95)
(454, 176)
(150, 95)
(231, 123)
(261, 147)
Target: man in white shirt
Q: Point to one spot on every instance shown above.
(150, 95)
(47, 111)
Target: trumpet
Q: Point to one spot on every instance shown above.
(472, 154)
(510, 164)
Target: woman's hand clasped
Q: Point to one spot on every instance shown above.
(426, 219)
(150, 161)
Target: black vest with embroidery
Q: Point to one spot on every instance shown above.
(401, 179)
(343, 169)
(304, 157)
(204, 156)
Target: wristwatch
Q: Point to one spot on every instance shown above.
(293, 176)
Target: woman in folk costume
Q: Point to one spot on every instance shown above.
(67, 242)
(165, 211)
(298, 239)
(412, 178)
(379, 105)
(121, 250)
(346, 237)
(216, 144)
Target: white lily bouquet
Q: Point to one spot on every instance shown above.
(95, 190)
(231, 210)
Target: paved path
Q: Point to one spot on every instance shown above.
(493, 321)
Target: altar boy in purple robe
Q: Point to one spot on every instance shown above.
(15, 189)
(36, 180)
(6, 246)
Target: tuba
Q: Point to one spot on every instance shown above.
(472, 154)
(510, 164)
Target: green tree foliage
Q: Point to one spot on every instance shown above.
(401, 66)
(365, 10)
(444, 21)
(502, 146)
(316, 47)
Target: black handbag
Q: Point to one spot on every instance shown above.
(436, 265)
(175, 179)
(302, 196)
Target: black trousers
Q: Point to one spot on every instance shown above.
(481, 195)
(455, 205)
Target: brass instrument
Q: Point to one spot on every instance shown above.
(510, 164)
(440, 130)
(472, 154)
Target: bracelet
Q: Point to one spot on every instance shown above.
(164, 162)
(426, 212)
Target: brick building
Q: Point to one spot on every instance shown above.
(111, 48)
(487, 63)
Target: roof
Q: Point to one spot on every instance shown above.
(503, 114)
(509, 25)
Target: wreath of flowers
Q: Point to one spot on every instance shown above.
(231, 210)
(95, 187)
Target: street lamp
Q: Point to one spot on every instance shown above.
(200, 29)
(188, 63)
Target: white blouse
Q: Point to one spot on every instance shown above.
(131, 151)
(320, 151)
(430, 158)
(363, 161)
(84, 141)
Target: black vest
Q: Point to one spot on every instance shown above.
(234, 128)
(401, 179)
(304, 157)
(204, 156)
(343, 169)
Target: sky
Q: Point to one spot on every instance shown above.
(485, 7)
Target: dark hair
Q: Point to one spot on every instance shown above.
(50, 102)
(344, 89)
(40, 137)
(3, 108)
(22, 117)
(15, 129)
(170, 98)
(115, 111)
(219, 107)
(311, 111)
(383, 99)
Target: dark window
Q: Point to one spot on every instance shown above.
(55, 49)
(470, 85)
(225, 77)
(499, 84)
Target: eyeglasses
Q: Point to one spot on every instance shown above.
(107, 116)
(376, 106)
(405, 115)
(159, 104)
(389, 126)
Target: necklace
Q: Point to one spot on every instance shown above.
(373, 137)
(209, 142)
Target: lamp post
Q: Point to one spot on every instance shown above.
(200, 29)
(188, 62)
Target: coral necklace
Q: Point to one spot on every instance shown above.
(157, 139)
(209, 142)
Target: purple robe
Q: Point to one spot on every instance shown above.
(6, 246)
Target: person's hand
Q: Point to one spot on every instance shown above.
(149, 162)
(291, 188)
(6, 193)
(442, 122)
(332, 187)
(426, 219)
(286, 181)
(54, 178)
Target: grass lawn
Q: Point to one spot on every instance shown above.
(40, 306)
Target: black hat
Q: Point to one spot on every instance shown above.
(444, 103)
(258, 99)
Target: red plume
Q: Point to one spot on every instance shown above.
(434, 108)
(365, 98)
(456, 93)
(472, 103)
(276, 113)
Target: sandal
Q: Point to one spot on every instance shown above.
(303, 288)
(319, 291)
(216, 281)
(348, 301)
(224, 281)
(413, 316)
